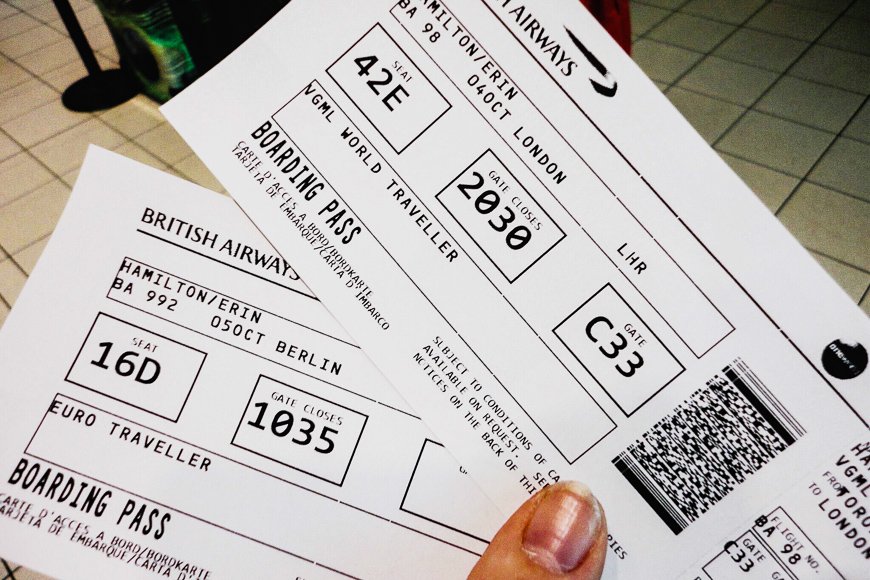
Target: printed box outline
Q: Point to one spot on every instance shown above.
(536, 260)
(402, 507)
(82, 347)
(433, 85)
(652, 332)
(764, 543)
(248, 405)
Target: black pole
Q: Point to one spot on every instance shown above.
(100, 89)
(77, 35)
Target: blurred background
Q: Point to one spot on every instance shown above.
(779, 88)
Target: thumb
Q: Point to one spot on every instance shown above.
(560, 532)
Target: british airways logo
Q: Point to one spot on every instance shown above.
(608, 85)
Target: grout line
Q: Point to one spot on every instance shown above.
(9, 306)
(798, 177)
(709, 53)
(19, 266)
(48, 235)
(805, 179)
(38, 160)
(15, 58)
(682, 6)
(840, 261)
(864, 295)
(15, 263)
(779, 72)
(776, 115)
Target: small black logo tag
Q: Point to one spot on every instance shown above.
(844, 360)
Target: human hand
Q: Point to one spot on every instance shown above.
(559, 533)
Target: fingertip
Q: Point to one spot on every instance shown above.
(560, 532)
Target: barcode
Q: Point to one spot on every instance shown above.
(708, 445)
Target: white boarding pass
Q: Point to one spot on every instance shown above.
(549, 264)
(178, 404)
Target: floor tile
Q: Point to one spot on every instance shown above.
(644, 17)
(27, 574)
(859, 127)
(731, 81)
(28, 41)
(43, 122)
(164, 143)
(110, 53)
(20, 174)
(771, 187)
(90, 17)
(7, 10)
(835, 6)
(860, 9)
(776, 143)
(791, 21)
(710, 117)
(49, 57)
(99, 37)
(64, 75)
(11, 74)
(16, 24)
(850, 34)
(820, 106)
(761, 49)
(850, 279)
(193, 169)
(23, 98)
(865, 303)
(4, 312)
(692, 32)
(28, 257)
(662, 62)
(8, 147)
(25, 4)
(847, 70)
(134, 117)
(134, 151)
(12, 280)
(846, 167)
(731, 11)
(670, 4)
(33, 216)
(70, 177)
(46, 12)
(66, 151)
(830, 223)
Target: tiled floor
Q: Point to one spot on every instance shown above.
(779, 88)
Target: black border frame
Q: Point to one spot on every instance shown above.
(82, 347)
(651, 331)
(428, 519)
(248, 405)
(530, 196)
(360, 109)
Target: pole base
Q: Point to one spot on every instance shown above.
(98, 91)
